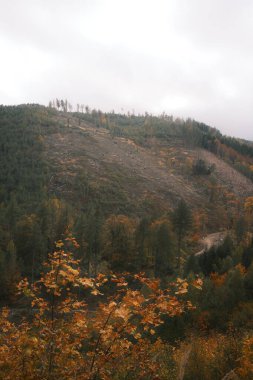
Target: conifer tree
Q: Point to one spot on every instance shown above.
(181, 219)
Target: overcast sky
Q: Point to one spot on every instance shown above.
(189, 58)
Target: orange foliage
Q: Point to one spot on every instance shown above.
(245, 369)
(203, 320)
(241, 269)
(199, 222)
(64, 338)
(248, 205)
(218, 279)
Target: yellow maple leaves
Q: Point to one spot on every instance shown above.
(65, 335)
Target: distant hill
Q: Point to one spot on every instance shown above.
(67, 171)
(123, 163)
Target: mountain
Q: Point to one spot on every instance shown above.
(161, 270)
(142, 165)
(65, 172)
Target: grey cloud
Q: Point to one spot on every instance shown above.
(188, 57)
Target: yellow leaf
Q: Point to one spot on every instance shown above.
(59, 244)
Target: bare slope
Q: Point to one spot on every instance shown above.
(153, 176)
(228, 176)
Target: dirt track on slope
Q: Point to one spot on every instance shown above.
(212, 240)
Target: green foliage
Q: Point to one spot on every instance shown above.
(200, 168)
(162, 249)
(34, 214)
(182, 220)
(217, 259)
(212, 357)
(27, 230)
(117, 239)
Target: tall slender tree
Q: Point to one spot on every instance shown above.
(181, 219)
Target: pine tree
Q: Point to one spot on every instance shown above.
(181, 219)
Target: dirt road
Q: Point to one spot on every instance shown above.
(212, 240)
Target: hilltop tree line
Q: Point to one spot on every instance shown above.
(235, 151)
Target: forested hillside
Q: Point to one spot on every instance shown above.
(126, 194)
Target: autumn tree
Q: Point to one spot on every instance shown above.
(117, 238)
(63, 339)
(245, 367)
(199, 221)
